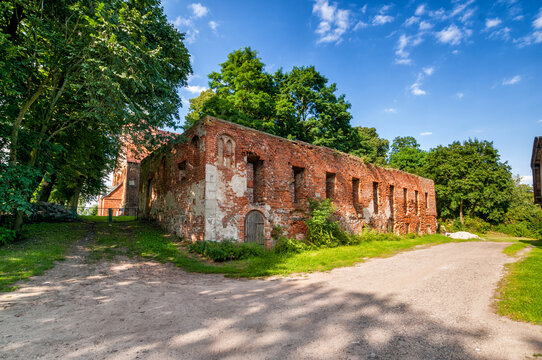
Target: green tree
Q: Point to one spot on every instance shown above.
(406, 155)
(300, 105)
(470, 179)
(245, 92)
(98, 67)
(368, 145)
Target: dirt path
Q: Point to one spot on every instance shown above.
(432, 303)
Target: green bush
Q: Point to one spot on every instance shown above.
(520, 229)
(7, 236)
(324, 230)
(371, 235)
(289, 246)
(226, 250)
(475, 225)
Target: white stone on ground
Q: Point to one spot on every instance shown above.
(462, 235)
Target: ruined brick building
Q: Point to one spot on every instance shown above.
(231, 182)
(123, 198)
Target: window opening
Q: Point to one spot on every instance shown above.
(392, 190)
(254, 179)
(416, 202)
(375, 197)
(355, 193)
(405, 198)
(330, 185)
(297, 185)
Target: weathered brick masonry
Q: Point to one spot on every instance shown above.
(229, 181)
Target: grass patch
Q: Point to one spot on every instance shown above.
(500, 237)
(41, 246)
(520, 291)
(515, 248)
(148, 241)
(95, 218)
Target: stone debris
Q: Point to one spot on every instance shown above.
(462, 235)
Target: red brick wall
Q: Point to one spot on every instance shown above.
(231, 187)
(172, 185)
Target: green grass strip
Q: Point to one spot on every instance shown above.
(140, 239)
(41, 246)
(521, 289)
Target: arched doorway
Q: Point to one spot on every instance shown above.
(254, 227)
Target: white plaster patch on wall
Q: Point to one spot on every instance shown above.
(211, 206)
(239, 185)
(368, 212)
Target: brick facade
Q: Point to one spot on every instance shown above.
(206, 187)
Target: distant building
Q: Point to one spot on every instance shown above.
(535, 167)
(123, 197)
(228, 181)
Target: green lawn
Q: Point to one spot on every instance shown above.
(140, 239)
(41, 246)
(520, 291)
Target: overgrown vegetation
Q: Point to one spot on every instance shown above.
(226, 250)
(520, 291)
(40, 246)
(66, 63)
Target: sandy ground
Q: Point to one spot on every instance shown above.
(431, 303)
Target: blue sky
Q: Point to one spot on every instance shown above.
(436, 70)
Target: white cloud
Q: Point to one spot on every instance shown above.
(364, 9)
(539, 121)
(403, 61)
(526, 179)
(188, 27)
(451, 35)
(333, 21)
(424, 25)
(391, 110)
(460, 95)
(198, 10)
(426, 133)
(360, 25)
(213, 25)
(401, 46)
(415, 89)
(185, 102)
(195, 89)
(458, 9)
(412, 20)
(503, 34)
(382, 19)
(512, 80)
(420, 10)
(492, 23)
(179, 21)
(537, 23)
(428, 70)
(534, 38)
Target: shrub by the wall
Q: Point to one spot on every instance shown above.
(226, 250)
(7, 236)
(324, 230)
(289, 246)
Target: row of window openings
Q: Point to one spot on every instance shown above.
(255, 177)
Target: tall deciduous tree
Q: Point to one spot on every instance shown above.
(300, 105)
(406, 155)
(93, 66)
(470, 179)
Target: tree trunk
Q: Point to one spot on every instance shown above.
(47, 187)
(74, 200)
(461, 212)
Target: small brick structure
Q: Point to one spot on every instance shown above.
(227, 181)
(123, 199)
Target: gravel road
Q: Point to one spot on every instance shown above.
(430, 303)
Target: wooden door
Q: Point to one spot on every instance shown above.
(254, 228)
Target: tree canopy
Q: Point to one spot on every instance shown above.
(93, 69)
(299, 105)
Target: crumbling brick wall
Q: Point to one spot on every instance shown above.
(172, 185)
(246, 170)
